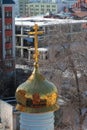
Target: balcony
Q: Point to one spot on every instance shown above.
(8, 45)
(8, 32)
(8, 20)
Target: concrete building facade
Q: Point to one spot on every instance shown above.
(69, 3)
(59, 30)
(65, 3)
(16, 8)
(34, 9)
(22, 7)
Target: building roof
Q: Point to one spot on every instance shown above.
(30, 21)
(8, 2)
(81, 14)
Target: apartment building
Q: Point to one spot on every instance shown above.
(36, 8)
(22, 7)
(7, 36)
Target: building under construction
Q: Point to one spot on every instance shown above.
(56, 31)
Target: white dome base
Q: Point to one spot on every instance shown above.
(43, 121)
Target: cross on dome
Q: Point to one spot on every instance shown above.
(36, 32)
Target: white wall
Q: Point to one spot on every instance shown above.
(6, 114)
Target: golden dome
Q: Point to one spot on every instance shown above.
(36, 95)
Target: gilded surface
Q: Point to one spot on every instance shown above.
(37, 93)
(36, 99)
(36, 33)
(37, 110)
(20, 96)
(51, 99)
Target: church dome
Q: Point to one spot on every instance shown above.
(36, 95)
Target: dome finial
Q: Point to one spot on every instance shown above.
(36, 33)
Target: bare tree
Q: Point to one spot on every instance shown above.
(68, 52)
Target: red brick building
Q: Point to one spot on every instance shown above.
(7, 36)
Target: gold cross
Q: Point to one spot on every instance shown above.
(35, 33)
